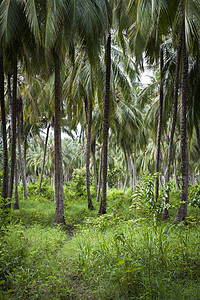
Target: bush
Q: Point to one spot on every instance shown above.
(47, 191)
(77, 187)
(143, 197)
(194, 195)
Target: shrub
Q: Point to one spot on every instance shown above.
(143, 197)
(194, 195)
(47, 191)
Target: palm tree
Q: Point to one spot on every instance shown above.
(102, 209)
(21, 163)
(175, 106)
(15, 37)
(182, 210)
(3, 119)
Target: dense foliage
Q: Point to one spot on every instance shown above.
(99, 169)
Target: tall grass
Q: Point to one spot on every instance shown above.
(121, 255)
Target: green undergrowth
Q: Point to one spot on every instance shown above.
(127, 253)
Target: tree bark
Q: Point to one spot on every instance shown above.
(134, 168)
(16, 202)
(175, 177)
(89, 126)
(44, 157)
(21, 164)
(58, 172)
(130, 170)
(125, 182)
(100, 174)
(157, 167)
(13, 128)
(127, 168)
(182, 210)
(93, 150)
(4, 192)
(175, 96)
(102, 209)
(197, 132)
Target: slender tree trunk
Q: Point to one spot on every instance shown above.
(127, 167)
(21, 164)
(192, 177)
(102, 209)
(163, 163)
(13, 129)
(100, 174)
(175, 177)
(93, 150)
(125, 182)
(4, 192)
(175, 105)
(197, 132)
(25, 151)
(58, 172)
(89, 127)
(130, 170)
(134, 168)
(16, 202)
(182, 210)
(157, 167)
(44, 157)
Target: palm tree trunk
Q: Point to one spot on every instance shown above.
(127, 168)
(130, 170)
(16, 202)
(58, 172)
(102, 209)
(134, 168)
(93, 150)
(182, 210)
(25, 151)
(13, 128)
(125, 182)
(44, 157)
(4, 191)
(99, 180)
(89, 121)
(157, 167)
(169, 158)
(197, 132)
(175, 177)
(22, 169)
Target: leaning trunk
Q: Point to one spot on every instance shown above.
(58, 172)
(169, 158)
(182, 210)
(44, 157)
(102, 209)
(4, 191)
(13, 129)
(157, 167)
(93, 150)
(89, 121)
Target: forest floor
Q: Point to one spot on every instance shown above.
(126, 254)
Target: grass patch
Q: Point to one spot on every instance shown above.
(120, 255)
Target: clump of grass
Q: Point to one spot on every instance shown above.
(139, 262)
